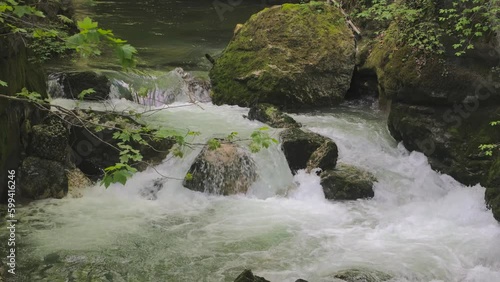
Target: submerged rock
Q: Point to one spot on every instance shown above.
(347, 182)
(41, 179)
(150, 192)
(362, 275)
(308, 150)
(247, 276)
(225, 171)
(270, 115)
(291, 55)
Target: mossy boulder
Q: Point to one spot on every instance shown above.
(347, 182)
(362, 275)
(248, 276)
(291, 55)
(422, 78)
(49, 140)
(272, 116)
(226, 170)
(308, 150)
(41, 179)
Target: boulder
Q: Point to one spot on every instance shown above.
(449, 140)
(224, 171)
(247, 276)
(408, 76)
(73, 83)
(49, 140)
(270, 115)
(92, 146)
(291, 55)
(362, 275)
(41, 179)
(308, 150)
(347, 182)
(441, 104)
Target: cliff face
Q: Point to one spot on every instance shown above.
(20, 72)
(15, 117)
(441, 104)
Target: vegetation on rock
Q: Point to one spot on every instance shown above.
(347, 182)
(291, 55)
(272, 116)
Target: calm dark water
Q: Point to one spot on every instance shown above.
(170, 33)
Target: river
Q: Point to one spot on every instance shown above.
(420, 226)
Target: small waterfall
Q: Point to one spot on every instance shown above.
(158, 89)
(54, 86)
(145, 88)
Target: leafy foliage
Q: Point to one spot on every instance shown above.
(261, 139)
(50, 38)
(470, 19)
(488, 149)
(31, 96)
(422, 26)
(91, 38)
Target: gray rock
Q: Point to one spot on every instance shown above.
(308, 150)
(41, 179)
(49, 140)
(224, 171)
(248, 276)
(270, 115)
(347, 182)
(362, 275)
(75, 82)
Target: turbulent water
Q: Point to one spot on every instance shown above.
(420, 226)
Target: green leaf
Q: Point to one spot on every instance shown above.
(65, 19)
(106, 180)
(128, 51)
(188, 177)
(3, 83)
(85, 92)
(21, 11)
(87, 24)
(213, 144)
(120, 176)
(136, 137)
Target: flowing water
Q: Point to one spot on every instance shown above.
(420, 226)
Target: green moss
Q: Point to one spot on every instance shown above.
(265, 61)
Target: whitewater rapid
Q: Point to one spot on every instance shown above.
(420, 226)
